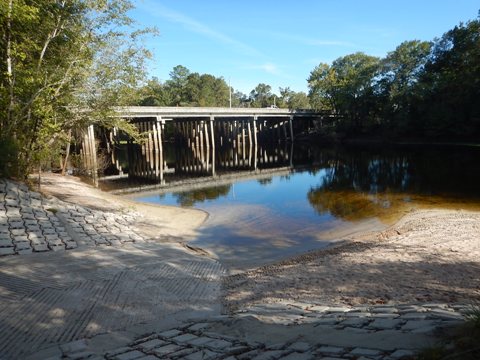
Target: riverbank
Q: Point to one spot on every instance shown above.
(429, 254)
(382, 293)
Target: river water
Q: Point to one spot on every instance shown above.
(326, 195)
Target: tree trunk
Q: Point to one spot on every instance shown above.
(8, 36)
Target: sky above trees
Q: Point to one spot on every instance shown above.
(279, 42)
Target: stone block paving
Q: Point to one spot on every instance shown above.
(31, 223)
(195, 341)
(93, 227)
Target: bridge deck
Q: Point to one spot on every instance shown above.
(195, 112)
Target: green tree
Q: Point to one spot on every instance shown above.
(240, 99)
(185, 88)
(347, 87)
(64, 64)
(299, 100)
(292, 100)
(450, 85)
(153, 93)
(261, 96)
(420, 89)
(177, 86)
(397, 85)
(285, 95)
(212, 91)
(323, 88)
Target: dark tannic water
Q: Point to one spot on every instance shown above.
(327, 194)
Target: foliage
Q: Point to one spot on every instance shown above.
(346, 87)
(450, 85)
(9, 151)
(261, 96)
(190, 198)
(153, 93)
(186, 88)
(63, 65)
(464, 340)
(293, 100)
(421, 89)
(322, 83)
(399, 75)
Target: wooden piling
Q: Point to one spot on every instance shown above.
(93, 152)
(202, 148)
(256, 142)
(290, 122)
(243, 143)
(207, 145)
(212, 119)
(159, 128)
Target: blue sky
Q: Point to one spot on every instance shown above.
(280, 42)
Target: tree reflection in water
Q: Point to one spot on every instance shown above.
(372, 183)
(192, 197)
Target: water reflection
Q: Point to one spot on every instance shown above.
(193, 197)
(362, 183)
(357, 183)
(326, 195)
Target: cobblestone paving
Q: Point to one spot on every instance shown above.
(419, 318)
(30, 223)
(195, 340)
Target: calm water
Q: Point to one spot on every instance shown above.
(327, 195)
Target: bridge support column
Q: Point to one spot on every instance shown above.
(255, 141)
(158, 136)
(207, 144)
(212, 137)
(201, 155)
(90, 154)
(279, 131)
(284, 126)
(290, 123)
(244, 157)
(250, 143)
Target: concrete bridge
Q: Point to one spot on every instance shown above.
(170, 113)
(200, 131)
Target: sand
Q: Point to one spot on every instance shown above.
(430, 255)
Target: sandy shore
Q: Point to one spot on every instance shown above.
(430, 255)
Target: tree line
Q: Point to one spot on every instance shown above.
(186, 88)
(419, 90)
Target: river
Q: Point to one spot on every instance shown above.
(323, 195)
